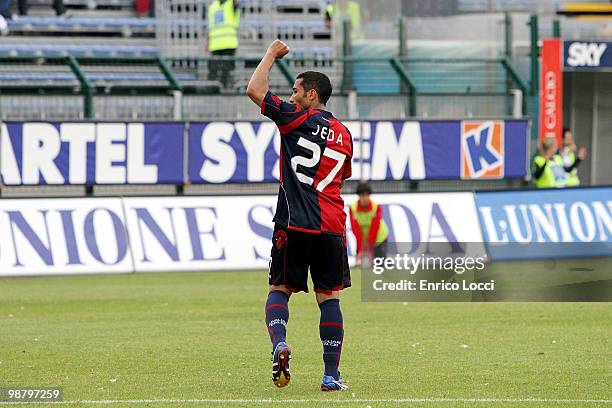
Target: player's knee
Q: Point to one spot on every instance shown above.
(322, 297)
(281, 288)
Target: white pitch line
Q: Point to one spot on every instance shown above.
(327, 401)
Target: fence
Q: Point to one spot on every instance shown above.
(146, 88)
(181, 31)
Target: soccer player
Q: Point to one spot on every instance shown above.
(309, 231)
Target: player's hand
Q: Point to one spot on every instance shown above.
(358, 259)
(582, 153)
(278, 49)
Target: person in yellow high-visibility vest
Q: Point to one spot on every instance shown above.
(570, 158)
(368, 226)
(547, 166)
(223, 20)
(345, 10)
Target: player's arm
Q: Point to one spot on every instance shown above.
(259, 84)
(374, 227)
(356, 231)
(347, 172)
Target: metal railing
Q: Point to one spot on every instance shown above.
(172, 79)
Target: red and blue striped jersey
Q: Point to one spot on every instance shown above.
(315, 157)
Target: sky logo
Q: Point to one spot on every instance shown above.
(482, 149)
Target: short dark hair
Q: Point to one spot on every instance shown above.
(364, 188)
(317, 81)
(564, 131)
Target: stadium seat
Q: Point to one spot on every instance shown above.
(8, 76)
(136, 76)
(62, 50)
(82, 24)
(479, 6)
(35, 76)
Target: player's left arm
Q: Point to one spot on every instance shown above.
(259, 83)
(347, 171)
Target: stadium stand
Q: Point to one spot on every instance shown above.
(110, 29)
(444, 72)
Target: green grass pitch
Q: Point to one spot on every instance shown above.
(186, 339)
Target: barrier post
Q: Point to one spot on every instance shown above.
(556, 29)
(408, 81)
(534, 73)
(508, 45)
(88, 90)
(286, 71)
(347, 51)
(515, 76)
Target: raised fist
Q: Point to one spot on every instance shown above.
(278, 49)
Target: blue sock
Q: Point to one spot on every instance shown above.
(331, 331)
(277, 316)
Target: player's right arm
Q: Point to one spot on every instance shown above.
(259, 84)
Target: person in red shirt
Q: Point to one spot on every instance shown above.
(370, 230)
(309, 233)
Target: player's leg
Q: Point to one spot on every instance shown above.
(277, 316)
(277, 313)
(380, 250)
(330, 274)
(288, 273)
(214, 66)
(228, 71)
(331, 332)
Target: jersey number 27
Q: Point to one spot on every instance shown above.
(314, 160)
